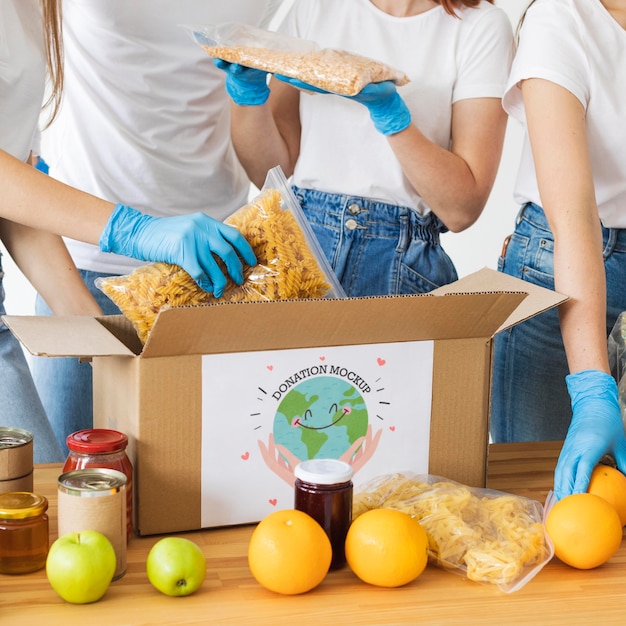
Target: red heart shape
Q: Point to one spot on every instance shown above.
(245, 456)
(273, 501)
(380, 361)
(322, 358)
(392, 428)
(270, 367)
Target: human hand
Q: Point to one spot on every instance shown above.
(385, 105)
(245, 85)
(361, 451)
(279, 459)
(189, 241)
(596, 429)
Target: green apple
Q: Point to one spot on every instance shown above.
(80, 566)
(176, 566)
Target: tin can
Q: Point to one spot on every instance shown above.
(323, 490)
(16, 453)
(102, 447)
(95, 499)
(23, 532)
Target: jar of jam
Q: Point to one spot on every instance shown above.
(101, 447)
(23, 532)
(323, 489)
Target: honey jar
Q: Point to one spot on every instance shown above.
(23, 532)
(323, 490)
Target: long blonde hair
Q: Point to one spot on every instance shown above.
(53, 40)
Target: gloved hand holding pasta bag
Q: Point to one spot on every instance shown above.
(248, 54)
(289, 264)
(386, 107)
(245, 85)
(190, 241)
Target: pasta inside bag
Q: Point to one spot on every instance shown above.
(291, 265)
(485, 535)
(330, 69)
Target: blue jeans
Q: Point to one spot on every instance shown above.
(64, 383)
(20, 406)
(377, 248)
(529, 396)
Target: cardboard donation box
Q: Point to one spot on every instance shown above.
(224, 400)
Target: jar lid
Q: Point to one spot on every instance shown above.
(92, 482)
(324, 471)
(97, 440)
(21, 504)
(13, 437)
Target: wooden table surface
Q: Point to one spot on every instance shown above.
(229, 595)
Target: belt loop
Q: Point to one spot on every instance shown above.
(520, 214)
(611, 240)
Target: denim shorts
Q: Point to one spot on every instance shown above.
(376, 248)
(529, 396)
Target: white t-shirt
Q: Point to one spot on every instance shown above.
(22, 74)
(447, 59)
(577, 44)
(145, 118)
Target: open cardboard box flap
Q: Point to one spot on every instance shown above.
(478, 305)
(538, 300)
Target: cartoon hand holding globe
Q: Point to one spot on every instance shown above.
(323, 417)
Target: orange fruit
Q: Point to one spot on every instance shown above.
(585, 529)
(386, 547)
(289, 552)
(609, 483)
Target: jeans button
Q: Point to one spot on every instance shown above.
(351, 224)
(354, 209)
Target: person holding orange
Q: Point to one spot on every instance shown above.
(552, 379)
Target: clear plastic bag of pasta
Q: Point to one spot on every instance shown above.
(484, 535)
(330, 69)
(291, 265)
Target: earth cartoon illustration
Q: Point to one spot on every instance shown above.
(320, 418)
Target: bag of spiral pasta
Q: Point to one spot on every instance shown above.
(290, 264)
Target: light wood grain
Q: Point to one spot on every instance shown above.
(558, 595)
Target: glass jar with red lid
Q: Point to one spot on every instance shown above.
(102, 447)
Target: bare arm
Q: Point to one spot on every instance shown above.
(46, 263)
(33, 199)
(456, 183)
(268, 135)
(556, 126)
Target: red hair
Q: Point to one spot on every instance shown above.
(450, 5)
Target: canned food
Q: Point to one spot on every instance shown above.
(23, 483)
(95, 499)
(16, 453)
(101, 447)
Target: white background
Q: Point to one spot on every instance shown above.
(477, 247)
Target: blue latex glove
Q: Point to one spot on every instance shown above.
(596, 429)
(187, 240)
(245, 85)
(385, 105)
